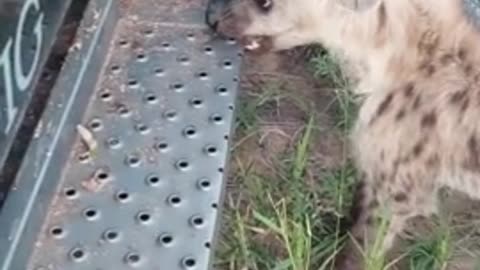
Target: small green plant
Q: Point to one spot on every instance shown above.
(337, 188)
(284, 210)
(326, 66)
(239, 255)
(434, 252)
(295, 235)
(248, 110)
(375, 258)
(289, 218)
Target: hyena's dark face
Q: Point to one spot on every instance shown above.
(271, 24)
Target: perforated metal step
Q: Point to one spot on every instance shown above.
(472, 8)
(141, 185)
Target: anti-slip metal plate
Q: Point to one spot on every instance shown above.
(147, 197)
(473, 10)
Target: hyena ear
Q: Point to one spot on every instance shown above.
(264, 5)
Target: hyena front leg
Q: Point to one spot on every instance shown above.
(380, 211)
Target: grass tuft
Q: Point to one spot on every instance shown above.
(326, 66)
(432, 252)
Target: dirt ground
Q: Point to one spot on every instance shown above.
(291, 177)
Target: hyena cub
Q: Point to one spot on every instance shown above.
(418, 128)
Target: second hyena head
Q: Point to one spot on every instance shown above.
(275, 24)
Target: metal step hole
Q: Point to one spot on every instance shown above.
(178, 87)
(197, 222)
(57, 232)
(174, 200)
(211, 150)
(101, 176)
(114, 143)
(189, 263)
(196, 102)
(227, 64)
(204, 184)
(183, 59)
(222, 90)
(91, 214)
(122, 197)
(141, 57)
(190, 132)
(123, 43)
(148, 33)
(153, 180)
(214, 205)
(78, 255)
(96, 124)
(133, 259)
(203, 75)
(171, 115)
(144, 218)
(115, 69)
(142, 128)
(166, 240)
(183, 165)
(160, 72)
(124, 111)
(166, 46)
(111, 236)
(133, 83)
(190, 36)
(133, 160)
(105, 95)
(216, 118)
(71, 193)
(208, 245)
(208, 50)
(151, 98)
(162, 146)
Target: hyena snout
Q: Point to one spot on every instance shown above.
(230, 19)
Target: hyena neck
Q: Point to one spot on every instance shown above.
(393, 36)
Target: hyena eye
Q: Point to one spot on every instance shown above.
(264, 5)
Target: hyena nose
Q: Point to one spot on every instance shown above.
(214, 11)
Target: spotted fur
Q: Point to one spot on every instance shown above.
(418, 127)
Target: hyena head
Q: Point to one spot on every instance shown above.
(271, 24)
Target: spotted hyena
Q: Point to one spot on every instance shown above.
(418, 127)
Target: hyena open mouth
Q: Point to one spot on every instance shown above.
(236, 19)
